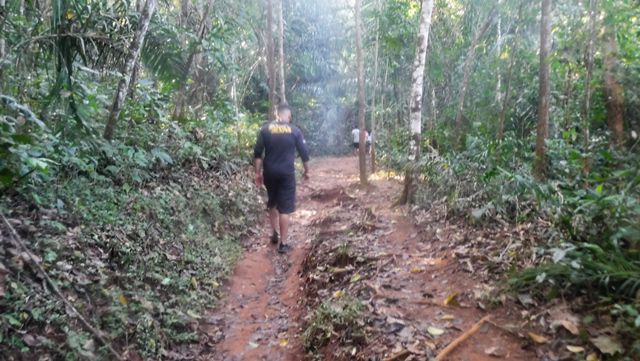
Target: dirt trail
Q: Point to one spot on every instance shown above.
(407, 273)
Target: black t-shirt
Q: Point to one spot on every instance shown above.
(279, 142)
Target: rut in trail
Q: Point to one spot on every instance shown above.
(399, 272)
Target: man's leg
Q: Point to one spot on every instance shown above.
(284, 228)
(272, 193)
(286, 206)
(274, 216)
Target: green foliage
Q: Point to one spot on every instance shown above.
(24, 143)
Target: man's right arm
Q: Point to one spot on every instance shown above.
(301, 146)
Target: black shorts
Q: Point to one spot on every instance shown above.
(356, 145)
(281, 190)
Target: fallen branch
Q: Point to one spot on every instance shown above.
(455, 343)
(15, 237)
(397, 355)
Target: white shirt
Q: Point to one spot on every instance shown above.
(356, 135)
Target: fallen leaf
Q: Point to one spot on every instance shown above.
(123, 300)
(607, 344)
(417, 270)
(593, 357)
(338, 294)
(283, 342)
(538, 338)
(448, 317)
(526, 300)
(192, 314)
(575, 349)
(194, 283)
(29, 340)
(451, 300)
(494, 352)
(561, 316)
(355, 278)
(434, 331)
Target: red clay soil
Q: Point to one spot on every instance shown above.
(262, 314)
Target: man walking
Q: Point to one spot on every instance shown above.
(278, 141)
(355, 133)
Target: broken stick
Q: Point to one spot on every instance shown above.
(455, 343)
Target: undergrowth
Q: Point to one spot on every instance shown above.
(138, 237)
(335, 318)
(592, 250)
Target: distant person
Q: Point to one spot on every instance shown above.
(356, 140)
(278, 141)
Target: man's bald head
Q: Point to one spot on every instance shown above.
(284, 113)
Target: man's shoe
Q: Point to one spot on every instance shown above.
(275, 238)
(284, 248)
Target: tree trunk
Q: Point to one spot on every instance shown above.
(271, 69)
(415, 108)
(181, 94)
(127, 69)
(373, 96)
(434, 109)
(362, 160)
(586, 116)
(468, 63)
(613, 90)
(540, 163)
(383, 110)
(499, 51)
(3, 16)
(184, 12)
(507, 92)
(282, 76)
(568, 95)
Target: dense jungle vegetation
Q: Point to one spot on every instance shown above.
(126, 130)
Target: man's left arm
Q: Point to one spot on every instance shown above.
(258, 150)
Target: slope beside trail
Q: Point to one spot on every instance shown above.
(401, 272)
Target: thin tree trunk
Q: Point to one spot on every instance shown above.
(415, 108)
(184, 12)
(181, 96)
(540, 163)
(568, 95)
(271, 70)
(373, 96)
(507, 92)
(282, 76)
(132, 57)
(613, 90)
(434, 109)
(468, 63)
(3, 13)
(383, 110)
(362, 160)
(586, 117)
(499, 51)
